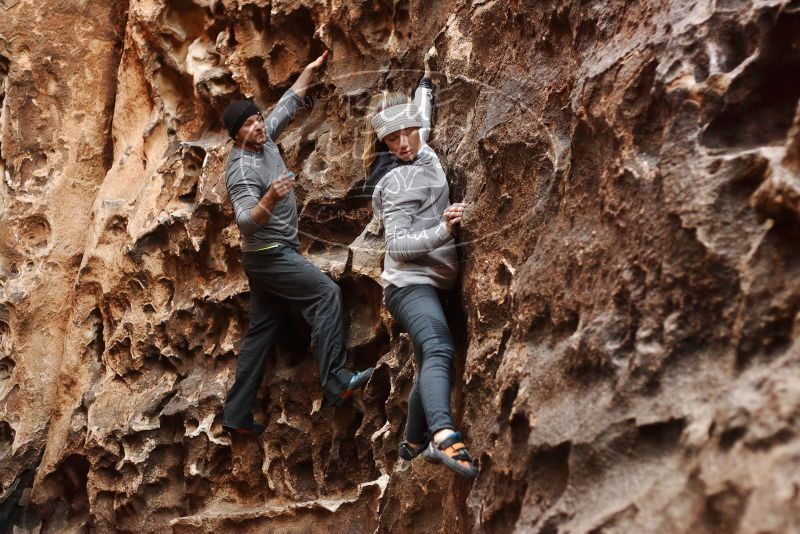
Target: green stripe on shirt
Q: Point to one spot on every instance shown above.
(272, 245)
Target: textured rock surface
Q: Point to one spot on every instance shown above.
(628, 315)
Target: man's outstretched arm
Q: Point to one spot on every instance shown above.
(292, 99)
(300, 86)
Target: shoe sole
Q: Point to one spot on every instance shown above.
(435, 456)
(243, 431)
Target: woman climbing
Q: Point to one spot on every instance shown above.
(411, 198)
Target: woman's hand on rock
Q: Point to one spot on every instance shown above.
(430, 54)
(453, 214)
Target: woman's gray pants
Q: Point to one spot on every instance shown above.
(418, 310)
(280, 277)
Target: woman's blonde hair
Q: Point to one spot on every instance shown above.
(372, 145)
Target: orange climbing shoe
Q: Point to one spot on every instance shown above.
(453, 454)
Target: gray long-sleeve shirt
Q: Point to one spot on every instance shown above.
(410, 200)
(248, 175)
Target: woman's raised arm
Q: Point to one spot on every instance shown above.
(423, 97)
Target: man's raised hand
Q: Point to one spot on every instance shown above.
(317, 63)
(300, 85)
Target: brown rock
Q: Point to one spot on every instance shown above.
(627, 322)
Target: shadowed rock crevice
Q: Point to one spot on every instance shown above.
(762, 100)
(73, 510)
(4, 67)
(7, 434)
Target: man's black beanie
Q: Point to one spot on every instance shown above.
(236, 113)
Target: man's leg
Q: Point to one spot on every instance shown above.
(266, 316)
(325, 314)
(290, 276)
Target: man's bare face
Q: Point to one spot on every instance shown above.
(253, 131)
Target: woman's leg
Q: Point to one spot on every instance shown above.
(418, 310)
(416, 425)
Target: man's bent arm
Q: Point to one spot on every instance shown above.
(262, 211)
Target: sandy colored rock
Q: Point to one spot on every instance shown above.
(627, 321)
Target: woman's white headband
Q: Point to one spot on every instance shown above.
(396, 118)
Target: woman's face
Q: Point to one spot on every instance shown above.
(403, 143)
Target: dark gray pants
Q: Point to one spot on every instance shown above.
(280, 277)
(418, 310)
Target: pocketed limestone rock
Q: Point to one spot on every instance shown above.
(626, 320)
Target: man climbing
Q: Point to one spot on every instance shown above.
(262, 193)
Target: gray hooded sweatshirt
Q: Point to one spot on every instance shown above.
(410, 200)
(248, 175)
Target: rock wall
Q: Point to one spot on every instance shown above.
(627, 321)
